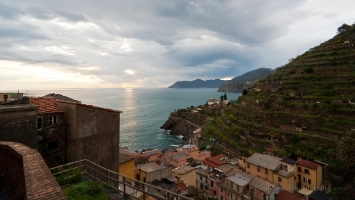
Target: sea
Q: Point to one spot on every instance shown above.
(144, 111)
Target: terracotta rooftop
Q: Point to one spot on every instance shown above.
(308, 164)
(46, 105)
(181, 186)
(270, 149)
(214, 161)
(285, 195)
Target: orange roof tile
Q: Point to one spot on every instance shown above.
(284, 195)
(214, 161)
(181, 186)
(46, 105)
(270, 149)
(306, 163)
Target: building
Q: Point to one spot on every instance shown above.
(217, 178)
(195, 153)
(309, 174)
(8, 96)
(237, 185)
(285, 176)
(51, 127)
(262, 166)
(149, 172)
(214, 162)
(177, 158)
(202, 174)
(18, 123)
(262, 189)
(127, 166)
(92, 133)
(186, 174)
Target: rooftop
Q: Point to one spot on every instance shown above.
(178, 155)
(215, 161)
(122, 158)
(61, 97)
(268, 162)
(241, 178)
(320, 195)
(150, 167)
(17, 107)
(46, 105)
(285, 195)
(308, 164)
(183, 169)
(262, 185)
(289, 161)
(89, 106)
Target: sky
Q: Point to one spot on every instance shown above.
(154, 43)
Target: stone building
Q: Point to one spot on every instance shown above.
(18, 124)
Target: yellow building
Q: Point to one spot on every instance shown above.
(309, 174)
(262, 166)
(285, 176)
(187, 174)
(126, 166)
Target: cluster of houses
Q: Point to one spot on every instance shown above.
(258, 177)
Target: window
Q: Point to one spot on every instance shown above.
(236, 198)
(200, 177)
(201, 186)
(221, 189)
(39, 122)
(53, 145)
(229, 194)
(53, 119)
(258, 168)
(299, 169)
(266, 171)
(211, 183)
(231, 184)
(264, 196)
(221, 197)
(279, 179)
(307, 180)
(306, 171)
(144, 179)
(237, 188)
(214, 193)
(248, 165)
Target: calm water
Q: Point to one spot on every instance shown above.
(144, 110)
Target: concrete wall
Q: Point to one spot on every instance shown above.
(18, 124)
(92, 133)
(159, 174)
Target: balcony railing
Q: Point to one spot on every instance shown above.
(285, 173)
(110, 179)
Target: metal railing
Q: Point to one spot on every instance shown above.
(131, 188)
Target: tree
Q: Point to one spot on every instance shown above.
(245, 92)
(343, 28)
(221, 98)
(346, 153)
(225, 96)
(197, 194)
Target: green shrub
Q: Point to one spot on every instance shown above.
(70, 177)
(89, 190)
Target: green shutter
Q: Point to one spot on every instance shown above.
(231, 184)
(238, 188)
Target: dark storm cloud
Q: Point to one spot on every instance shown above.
(163, 41)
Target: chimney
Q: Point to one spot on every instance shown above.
(5, 97)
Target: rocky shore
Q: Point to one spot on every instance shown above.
(178, 126)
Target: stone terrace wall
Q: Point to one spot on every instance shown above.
(26, 173)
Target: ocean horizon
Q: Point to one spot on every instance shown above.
(144, 111)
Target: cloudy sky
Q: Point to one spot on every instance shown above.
(154, 43)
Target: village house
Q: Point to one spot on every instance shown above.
(202, 178)
(262, 189)
(148, 172)
(309, 174)
(177, 158)
(285, 176)
(217, 178)
(152, 155)
(127, 163)
(195, 153)
(285, 195)
(51, 126)
(10, 96)
(237, 185)
(186, 174)
(18, 123)
(262, 166)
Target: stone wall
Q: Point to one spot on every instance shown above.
(24, 170)
(18, 124)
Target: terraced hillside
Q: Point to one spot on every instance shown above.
(306, 107)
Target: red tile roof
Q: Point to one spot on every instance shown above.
(46, 105)
(215, 161)
(181, 186)
(285, 195)
(306, 163)
(270, 149)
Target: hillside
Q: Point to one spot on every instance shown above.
(306, 108)
(198, 83)
(245, 81)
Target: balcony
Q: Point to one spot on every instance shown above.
(285, 173)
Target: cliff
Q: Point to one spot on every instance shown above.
(198, 83)
(178, 126)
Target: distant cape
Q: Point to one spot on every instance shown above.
(237, 84)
